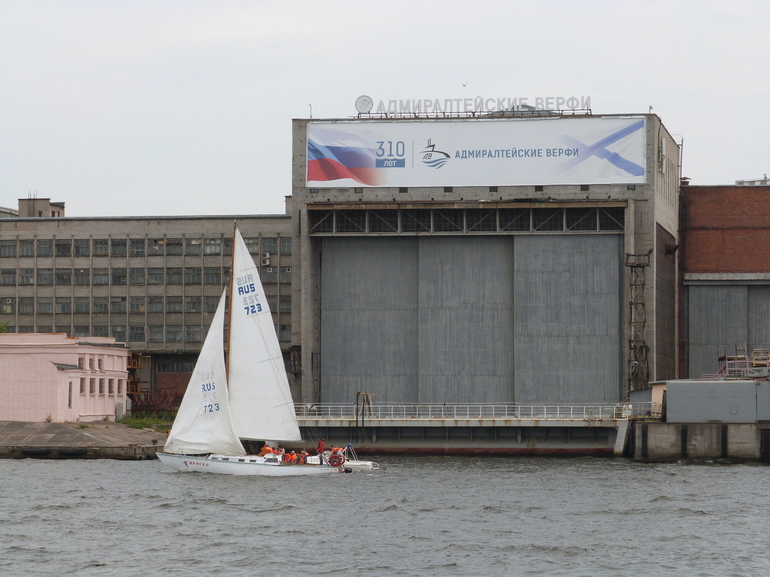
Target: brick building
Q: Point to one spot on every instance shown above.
(725, 256)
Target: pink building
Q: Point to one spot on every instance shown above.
(58, 378)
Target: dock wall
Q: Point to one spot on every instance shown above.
(675, 441)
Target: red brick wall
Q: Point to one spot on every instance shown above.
(726, 229)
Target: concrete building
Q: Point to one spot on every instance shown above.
(52, 377)
(503, 275)
(726, 280)
(151, 282)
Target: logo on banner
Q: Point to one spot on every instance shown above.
(433, 158)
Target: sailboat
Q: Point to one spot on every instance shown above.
(247, 398)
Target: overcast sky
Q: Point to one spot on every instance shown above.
(184, 107)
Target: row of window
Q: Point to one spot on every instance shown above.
(114, 386)
(120, 305)
(135, 276)
(136, 333)
(139, 247)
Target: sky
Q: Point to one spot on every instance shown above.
(178, 107)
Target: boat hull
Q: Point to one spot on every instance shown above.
(246, 465)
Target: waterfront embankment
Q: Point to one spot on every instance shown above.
(94, 440)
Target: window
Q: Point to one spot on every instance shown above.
(210, 303)
(82, 305)
(44, 247)
(285, 245)
(154, 275)
(192, 275)
(173, 275)
(92, 386)
(26, 276)
(119, 333)
(270, 245)
(99, 331)
(63, 277)
(173, 334)
(63, 247)
(155, 247)
(119, 246)
(82, 247)
(156, 334)
(269, 274)
(82, 386)
(44, 329)
(44, 305)
(101, 386)
(228, 246)
(192, 305)
(173, 304)
(117, 305)
(192, 334)
(285, 304)
(8, 277)
(136, 334)
(136, 276)
(286, 274)
(193, 246)
(100, 307)
(100, 364)
(212, 246)
(252, 244)
(118, 277)
(120, 387)
(137, 247)
(8, 248)
(212, 275)
(82, 277)
(272, 302)
(155, 305)
(44, 276)
(26, 305)
(81, 331)
(111, 385)
(100, 247)
(8, 306)
(63, 305)
(284, 333)
(101, 276)
(137, 305)
(26, 329)
(26, 248)
(173, 246)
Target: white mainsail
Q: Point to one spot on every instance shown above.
(260, 399)
(203, 423)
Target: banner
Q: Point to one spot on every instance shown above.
(476, 152)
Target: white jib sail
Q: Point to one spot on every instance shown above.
(260, 398)
(203, 423)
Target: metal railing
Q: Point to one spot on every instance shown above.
(447, 411)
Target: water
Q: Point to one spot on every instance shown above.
(417, 516)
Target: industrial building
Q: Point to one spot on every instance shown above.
(498, 259)
(151, 282)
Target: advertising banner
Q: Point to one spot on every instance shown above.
(476, 152)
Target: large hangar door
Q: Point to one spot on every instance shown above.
(369, 319)
(567, 311)
(466, 320)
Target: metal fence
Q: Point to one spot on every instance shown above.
(401, 411)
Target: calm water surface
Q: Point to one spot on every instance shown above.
(416, 516)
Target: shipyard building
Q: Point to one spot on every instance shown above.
(517, 258)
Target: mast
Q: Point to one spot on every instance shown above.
(230, 305)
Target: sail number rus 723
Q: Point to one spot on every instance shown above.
(248, 290)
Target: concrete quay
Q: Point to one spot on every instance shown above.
(94, 440)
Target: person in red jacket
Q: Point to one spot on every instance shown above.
(320, 449)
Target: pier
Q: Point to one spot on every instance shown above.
(443, 428)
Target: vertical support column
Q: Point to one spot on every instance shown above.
(638, 366)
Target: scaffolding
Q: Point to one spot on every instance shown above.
(638, 365)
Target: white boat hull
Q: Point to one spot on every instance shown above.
(245, 465)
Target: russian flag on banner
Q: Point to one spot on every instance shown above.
(336, 155)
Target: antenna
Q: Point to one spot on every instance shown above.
(311, 110)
